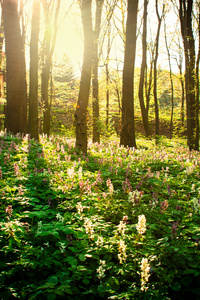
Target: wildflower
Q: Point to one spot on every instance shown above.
(145, 269)
(121, 227)
(9, 210)
(70, 172)
(141, 225)
(110, 186)
(62, 247)
(16, 169)
(59, 217)
(79, 208)
(173, 229)
(135, 196)
(122, 252)
(193, 187)
(99, 241)
(101, 269)
(80, 173)
(89, 227)
(164, 205)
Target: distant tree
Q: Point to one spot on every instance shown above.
(33, 86)
(51, 11)
(144, 110)
(84, 89)
(16, 88)
(160, 18)
(95, 84)
(171, 79)
(179, 61)
(127, 135)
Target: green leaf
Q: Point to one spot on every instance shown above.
(176, 286)
(53, 280)
(82, 257)
(51, 296)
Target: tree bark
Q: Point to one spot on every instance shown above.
(33, 89)
(144, 110)
(185, 14)
(49, 46)
(127, 135)
(16, 109)
(155, 68)
(95, 82)
(84, 89)
(171, 80)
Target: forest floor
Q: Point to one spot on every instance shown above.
(117, 223)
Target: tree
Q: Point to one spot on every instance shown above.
(127, 135)
(185, 15)
(48, 49)
(33, 88)
(16, 88)
(95, 84)
(144, 110)
(155, 66)
(171, 79)
(84, 89)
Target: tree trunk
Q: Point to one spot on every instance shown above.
(171, 80)
(185, 13)
(155, 69)
(33, 89)
(144, 111)
(16, 109)
(83, 97)
(127, 135)
(95, 82)
(49, 46)
(197, 85)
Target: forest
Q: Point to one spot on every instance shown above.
(99, 149)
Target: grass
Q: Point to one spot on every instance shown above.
(118, 223)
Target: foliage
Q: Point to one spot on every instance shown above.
(118, 223)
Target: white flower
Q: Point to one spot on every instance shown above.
(122, 252)
(121, 227)
(145, 269)
(101, 270)
(99, 241)
(89, 227)
(141, 225)
(79, 208)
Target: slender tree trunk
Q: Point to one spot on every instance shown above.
(16, 110)
(83, 97)
(95, 82)
(155, 68)
(33, 89)
(108, 76)
(127, 135)
(49, 46)
(144, 111)
(171, 80)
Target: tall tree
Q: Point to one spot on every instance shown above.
(171, 79)
(48, 46)
(16, 88)
(84, 89)
(127, 135)
(144, 110)
(33, 87)
(95, 83)
(185, 14)
(159, 17)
